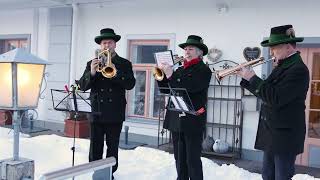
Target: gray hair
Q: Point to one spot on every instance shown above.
(199, 52)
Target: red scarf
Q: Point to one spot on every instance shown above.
(187, 64)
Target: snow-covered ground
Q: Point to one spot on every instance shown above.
(52, 152)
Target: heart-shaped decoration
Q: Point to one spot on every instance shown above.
(214, 54)
(251, 53)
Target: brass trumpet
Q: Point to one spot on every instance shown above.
(107, 69)
(159, 74)
(223, 73)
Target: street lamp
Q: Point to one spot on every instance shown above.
(20, 83)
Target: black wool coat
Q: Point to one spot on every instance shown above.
(195, 79)
(108, 96)
(282, 125)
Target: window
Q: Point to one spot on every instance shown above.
(143, 100)
(10, 44)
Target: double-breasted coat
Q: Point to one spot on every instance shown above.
(108, 96)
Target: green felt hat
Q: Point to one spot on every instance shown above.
(107, 33)
(194, 40)
(281, 35)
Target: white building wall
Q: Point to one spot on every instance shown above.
(231, 32)
(42, 51)
(16, 22)
(22, 22)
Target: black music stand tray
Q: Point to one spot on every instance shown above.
(179, 100)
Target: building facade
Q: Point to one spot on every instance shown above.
(63, 33)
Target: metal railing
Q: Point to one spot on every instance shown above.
(73, 172)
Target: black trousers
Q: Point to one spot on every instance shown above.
(278, 166)
(187, 153)
(100, 131)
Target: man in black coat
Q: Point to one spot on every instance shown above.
(187, 130)
(108, 97)
(282, 128)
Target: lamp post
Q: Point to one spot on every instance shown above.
(21, 78)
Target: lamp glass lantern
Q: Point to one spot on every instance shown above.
(22, 79)
(22, 74)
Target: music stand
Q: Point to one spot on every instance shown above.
(73, 101)
(179, 100)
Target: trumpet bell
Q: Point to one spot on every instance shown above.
(109, 71)
(158, 74)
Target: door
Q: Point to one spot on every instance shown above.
(311, 57)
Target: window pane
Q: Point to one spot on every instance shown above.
(143, 54)
(314, 124)
(157, 100)
(10, 44)
(315, 95)
(23, 44)
(316, 67)
(137, 94)
(6, 85)
(29, 78)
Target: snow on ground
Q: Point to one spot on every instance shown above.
(52, 152)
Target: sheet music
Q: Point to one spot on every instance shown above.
(179, 103)
(164, 57)
(83, 105)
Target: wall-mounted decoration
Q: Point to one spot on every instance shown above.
(214, 54)
(251, 53)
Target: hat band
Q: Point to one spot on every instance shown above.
(193, 41)
(278, 37)
(107, 34)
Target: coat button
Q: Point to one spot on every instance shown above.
(101, 100)
(110, 100)
(102, 90)
(257, 91)
(122, 78)
(178, 80)
(110, 90)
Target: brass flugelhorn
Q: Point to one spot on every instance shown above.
(159, 74)
(107, 69)
(231, 71)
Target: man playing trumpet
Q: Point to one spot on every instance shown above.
(187, 130)
(107, 96)
(282, 128)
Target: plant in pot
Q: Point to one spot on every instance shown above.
(5, 117)
(76, 126)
